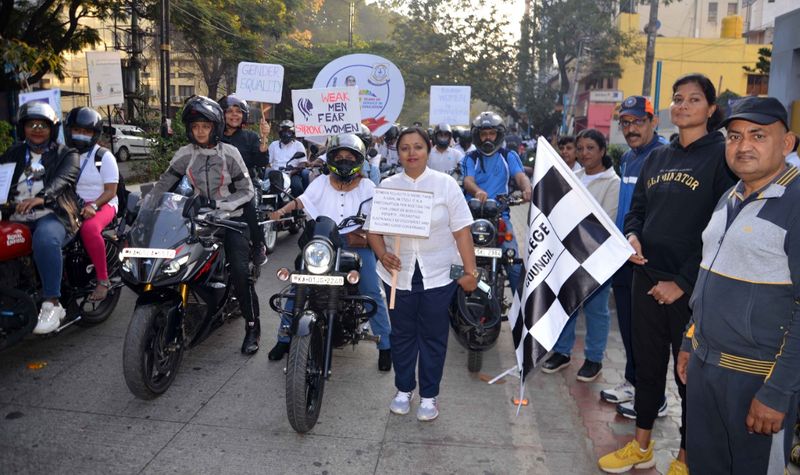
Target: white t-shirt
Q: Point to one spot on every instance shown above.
(444, 161)
(92, 181)
(792, 159)
(322, 199)
(436, 253)
(280, 154)
(25, 190)
(586, 179)
(389, 153)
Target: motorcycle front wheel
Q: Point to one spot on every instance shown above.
(149, 362)
(305, 381)
(474, 361)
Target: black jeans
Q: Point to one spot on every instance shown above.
(657, 330)
(237, 251)
(251, 218)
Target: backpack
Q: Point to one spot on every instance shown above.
(122, 192)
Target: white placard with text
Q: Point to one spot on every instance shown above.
(450, 105)
(259, 82)
(401, 212)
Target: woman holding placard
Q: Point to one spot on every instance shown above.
(424, 288)
(339, 196)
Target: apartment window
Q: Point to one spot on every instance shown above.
(712, 12)
(185, 91)
(733, 9)
(171, 89)
(757, 85)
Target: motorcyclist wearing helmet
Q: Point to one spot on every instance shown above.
(487, 171)
(443, 157)
(96, 187)
(43, 191)
(281, 152)
(254, 153)
(220, 177)
(463, 138)
(387, 146)
(372, 159)
(339, 196)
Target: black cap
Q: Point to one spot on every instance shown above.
(760, 110)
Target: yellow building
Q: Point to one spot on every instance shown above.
(721, 59)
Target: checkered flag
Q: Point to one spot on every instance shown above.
(573, 247)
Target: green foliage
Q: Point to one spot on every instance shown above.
(615, 151)
(763, 63)
(6, 139)
(35, 35)
(161, 153)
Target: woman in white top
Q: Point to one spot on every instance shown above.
(420, 321)
(97, 188)
(338, 196)
(602, 182)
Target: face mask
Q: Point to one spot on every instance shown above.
(286, 137)
(442, 142)
(346, 169)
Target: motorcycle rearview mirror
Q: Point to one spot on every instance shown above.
(191, 207)
(361, 205)
(298, 155)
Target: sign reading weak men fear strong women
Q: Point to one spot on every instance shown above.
(326, 112)
(572, 248)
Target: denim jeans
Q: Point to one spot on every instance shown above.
(597, 320)
(369, 285)
(49, 236)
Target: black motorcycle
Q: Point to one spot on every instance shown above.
(175, 262)
(275, 190)
(328, 313)
(20, 285)
(476, 319)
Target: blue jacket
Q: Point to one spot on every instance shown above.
(630, 166)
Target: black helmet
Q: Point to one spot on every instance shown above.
(442, 129)
(463, 136)
(286, 131)
(475, 319)
(232, 100)
(485, 121)
(84, 118)
(203, 109)
(391, 134)
(37, 111)
(365, 135)
(345, 169)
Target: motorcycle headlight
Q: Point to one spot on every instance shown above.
(318, 257)
(483, 232)
(173, 266)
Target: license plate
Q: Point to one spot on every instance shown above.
(317, 279)
(147, 252)
(488, 252)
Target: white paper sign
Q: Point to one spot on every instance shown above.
(450, 105)
(401, 212)
(6, 173)
(380, 86)
(105, 77)
(259, 82)
(325, 112)
(48, 96)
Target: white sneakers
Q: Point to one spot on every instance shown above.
(623, 392)
(50, 317)
(428, 407)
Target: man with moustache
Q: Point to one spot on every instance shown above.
(638, 123)
(741, 352)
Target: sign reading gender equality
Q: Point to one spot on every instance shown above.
(450, 105)
(105, 77)
(401, 212)
(380, 85)
(323, 112)
(259, 82)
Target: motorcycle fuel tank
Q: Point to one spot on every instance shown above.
(15, 240)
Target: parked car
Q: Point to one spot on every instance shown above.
(128, 141)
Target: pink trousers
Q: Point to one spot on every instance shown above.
(91, 234)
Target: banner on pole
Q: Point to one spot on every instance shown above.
(259, 82)
(105, 78)
(450, 105)
(325, 112)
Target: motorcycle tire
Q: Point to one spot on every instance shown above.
(93, 313)
(148, 367)
(270, 237)
(474, 361)
(305, 381)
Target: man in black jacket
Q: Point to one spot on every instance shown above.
(254, 153)
(43, 191)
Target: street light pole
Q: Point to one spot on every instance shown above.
(649, 56)
(165, 69)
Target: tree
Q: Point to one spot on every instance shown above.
(763, 63)
(218, 34)
(35, 35)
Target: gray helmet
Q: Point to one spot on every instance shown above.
(442, 129)
(486, 121)
(346, 170)
(37, 111)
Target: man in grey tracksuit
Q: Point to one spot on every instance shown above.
(741, 353)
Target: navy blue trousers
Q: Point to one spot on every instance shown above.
(420, 327)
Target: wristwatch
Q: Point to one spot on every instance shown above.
(94, 206)
(477, 274)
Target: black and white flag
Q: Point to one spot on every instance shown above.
(573, 247)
